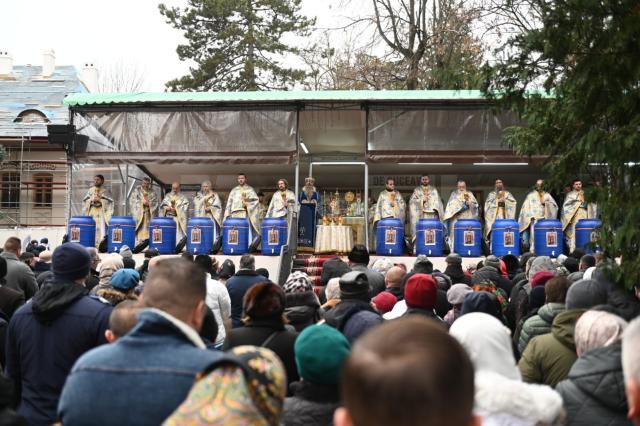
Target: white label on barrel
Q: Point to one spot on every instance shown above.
(273, 237)
(469, 238)
(232, 237)
(390, 236)
(196, 235)
(116, 235)
(156, 236)
(552, 239)
(508, 239)
(75, 234)
(429, 237)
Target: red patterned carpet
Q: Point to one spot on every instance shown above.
(312, 265)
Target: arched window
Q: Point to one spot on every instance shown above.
(43, 191)
(31, 116)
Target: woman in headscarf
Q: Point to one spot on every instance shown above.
(121, 286)
(593, 393)
(108, 266)
(302, 304)
(501, 397)
(245, 387)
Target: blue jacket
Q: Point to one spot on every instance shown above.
(237, 286)
(140, 379)
(41, 354)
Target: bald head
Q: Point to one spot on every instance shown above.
(176, 287)
(394, 277)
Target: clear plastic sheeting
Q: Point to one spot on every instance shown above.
(117, 179)
(133, 136)
(409, 130)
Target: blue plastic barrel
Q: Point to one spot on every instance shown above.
(82, 230)
(274, 235)
(548, 239)
(122, 232)
(505, 237)
(429, 237)
(587, 233)
(200, 235)
(389, 237)
(467, 235)
(162, 235)
(235, 236)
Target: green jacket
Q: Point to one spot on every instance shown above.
(548, 358)
(539, 324)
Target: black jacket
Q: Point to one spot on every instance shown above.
(457, 275)
(333, 268)
(10, 301)
(257, 332)
(302, 309)
(335, 316)
(593, 393)
(310, 405)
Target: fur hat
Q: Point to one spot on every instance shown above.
(359, 254)
(264, 300)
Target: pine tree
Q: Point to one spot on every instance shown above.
(584, 60)
(237, 45)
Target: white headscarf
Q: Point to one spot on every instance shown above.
(488, 344)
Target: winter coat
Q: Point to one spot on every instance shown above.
(281, 341)
(548, 358)
(302, 309)
(594, 392)
(310, 405)
(539, 323)
(115, 296)
(19, 276)
(501, 401)
(10, 301)
(335, 317)
(45, 338)
(140, 379)
(457, 275)
(237, 286)
(518, 303)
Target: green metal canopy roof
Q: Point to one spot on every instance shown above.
(79, 99)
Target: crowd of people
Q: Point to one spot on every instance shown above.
(186, 340)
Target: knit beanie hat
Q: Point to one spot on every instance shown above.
(585, 294)
(125, 251)
(359, 323)
(354, 285)
(454, 259)
(492, 261)
(421, 291)
(537, 297)
(71, 261)
(320, 351)
(481, 301)
(125, 279)
(384, 302)
(457, 293)
(541, 278)
(298, 282)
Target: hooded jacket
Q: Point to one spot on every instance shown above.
(548, 358)
(302, 309)
(539, 323)
(594, 391)
(44, 340)
(310, 405)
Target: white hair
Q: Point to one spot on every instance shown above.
(332, 290)
(631, 351)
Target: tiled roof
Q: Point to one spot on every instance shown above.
(28, 90)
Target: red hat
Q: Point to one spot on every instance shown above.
(421, 291)
(384, 302)
(541, 278)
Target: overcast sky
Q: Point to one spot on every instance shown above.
(112, 31)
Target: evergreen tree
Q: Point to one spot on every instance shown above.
(237, 45)
(584, 62)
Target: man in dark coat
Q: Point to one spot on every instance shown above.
(19, 276)
(238, 285)
(10, 300)
(359, 261)
(354, 296)
(49, 334)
